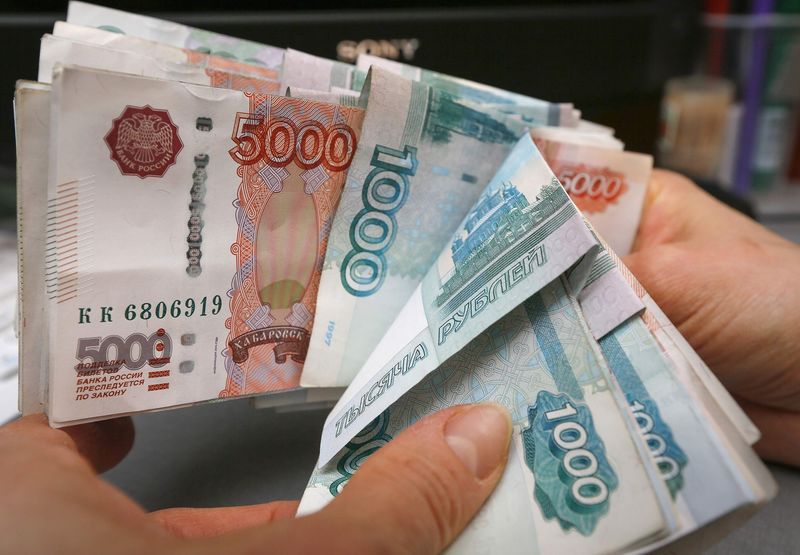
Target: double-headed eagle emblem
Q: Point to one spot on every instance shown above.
(143, 141)
(145, 137)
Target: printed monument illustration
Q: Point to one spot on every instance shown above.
(446, 115)
(498, 220)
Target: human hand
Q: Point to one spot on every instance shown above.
(414, 496)
(731, 287)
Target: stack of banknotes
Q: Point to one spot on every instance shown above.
(203, 217)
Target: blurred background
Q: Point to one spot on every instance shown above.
(712, 89)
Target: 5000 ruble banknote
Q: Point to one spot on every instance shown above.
(185, 232)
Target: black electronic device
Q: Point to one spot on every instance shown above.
(609, 58)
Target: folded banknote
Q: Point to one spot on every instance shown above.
(521, 233)
(575, 471)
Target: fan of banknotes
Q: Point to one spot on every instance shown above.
(204, 217)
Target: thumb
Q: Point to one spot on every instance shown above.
(414, 495)
(420, 490)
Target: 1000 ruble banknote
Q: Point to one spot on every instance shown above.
(578, 478)
(520, 234)
(185, 232)
(699, 445)
(423, 160)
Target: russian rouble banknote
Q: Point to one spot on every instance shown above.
(423, 162)
(573, 394)
(203, 217)
(165, 55)
(575, 468)
(175, 34)
(61, 50)
(183, 236)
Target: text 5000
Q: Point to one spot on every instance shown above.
(280, 141)
(175, 309)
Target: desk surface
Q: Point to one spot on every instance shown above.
(229, 454)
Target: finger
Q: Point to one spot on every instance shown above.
(676, 209)
(780, 433)
(668, 212)
(433, 478)
(667, 273)
(413, 496)
(104, 444)
(206, 523)
(101, 444)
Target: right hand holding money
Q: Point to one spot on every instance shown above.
(414, 497)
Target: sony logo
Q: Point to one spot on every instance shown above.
(394, 49)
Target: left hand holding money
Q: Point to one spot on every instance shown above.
(726, 282)
(419, 492)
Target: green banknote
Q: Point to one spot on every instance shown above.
(611, 295)
(709, 470)
(525, 110)
(517, 112)
(577, 479)
(422, 162)
(702, 477)
(522, 233)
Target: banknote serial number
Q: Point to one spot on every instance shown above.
(158, 310)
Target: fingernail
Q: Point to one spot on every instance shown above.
(479, 437)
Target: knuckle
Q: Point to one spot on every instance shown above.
(674, 179)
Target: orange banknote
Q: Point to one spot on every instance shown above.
(293, 156)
